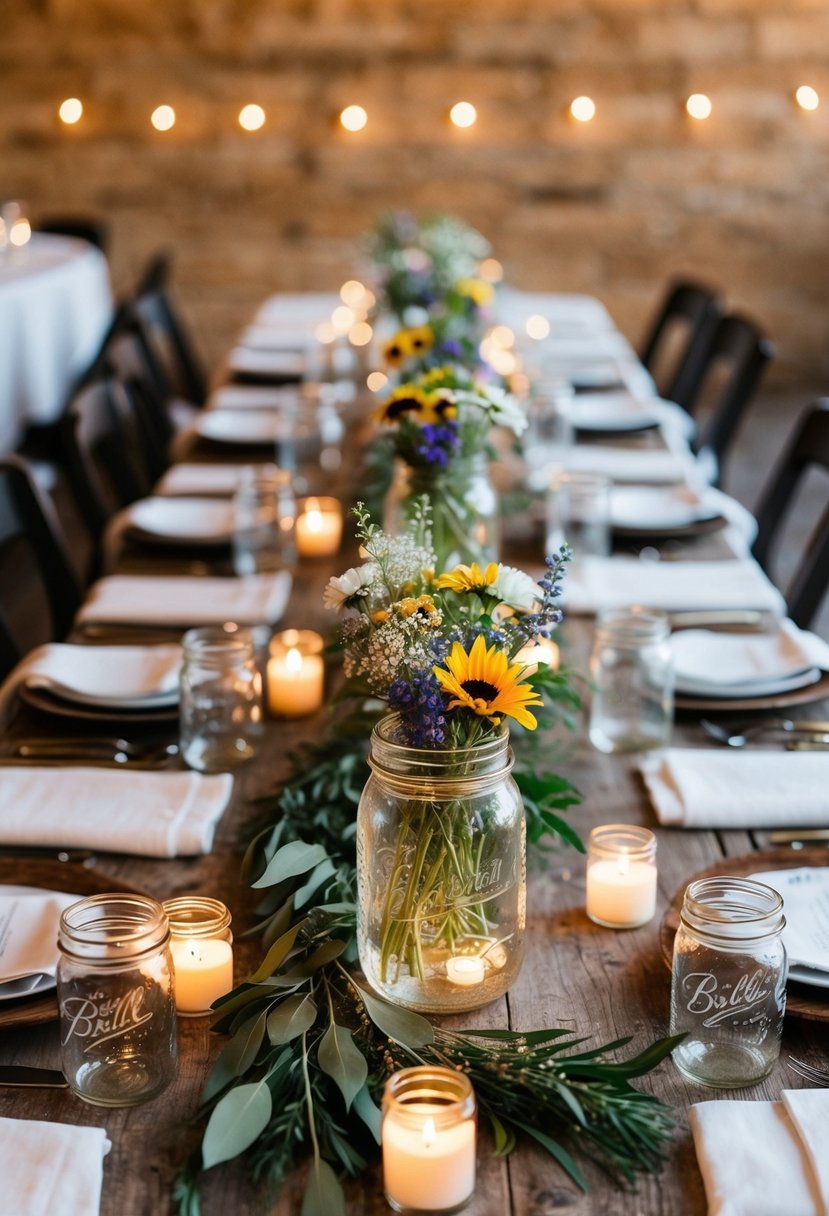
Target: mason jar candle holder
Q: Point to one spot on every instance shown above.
(296, 673)
(428, 1136)
(621, 876)
(319, 527)
(201, 944)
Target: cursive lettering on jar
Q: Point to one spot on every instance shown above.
(100, 1018)
(744, 998)
(484, 883)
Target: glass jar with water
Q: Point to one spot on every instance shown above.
(221, 716)
(631, 669)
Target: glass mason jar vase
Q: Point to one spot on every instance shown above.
(116, 999)
(441, 872)
(728, 991)
(631, 669)
(464, 506)
(221, 718)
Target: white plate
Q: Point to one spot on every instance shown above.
(612, 411)
(243, 426)
(739, 665)
(253, 397)
(288, 363)
(751, 688)
(660, 507)
(808, 975)
(113, 677)
(203, 520)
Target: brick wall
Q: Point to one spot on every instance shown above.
(610, 207)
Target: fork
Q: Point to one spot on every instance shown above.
(818, 1076)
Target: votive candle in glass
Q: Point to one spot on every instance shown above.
(621, 875)
(296, 673)
(542, 650)
(201, 944)
(428, 1136)
(319, 527)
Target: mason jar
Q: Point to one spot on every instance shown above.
(264, 516)
(116, 997)
(441, 872)
(631, 669)
(463, 502)
(728, 989)
(220, 713)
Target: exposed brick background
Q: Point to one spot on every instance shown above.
(611, 207)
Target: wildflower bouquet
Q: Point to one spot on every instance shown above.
(441, 829)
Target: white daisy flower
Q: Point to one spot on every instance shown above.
(516, 588)
(345, 587)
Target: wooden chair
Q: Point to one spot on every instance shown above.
(808, 448)
(676, 337)
(154, 312)
(39, 589)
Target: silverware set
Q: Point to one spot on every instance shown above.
(799, 735)
(816, 1076)
(90, 749)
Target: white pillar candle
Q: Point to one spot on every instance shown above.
(204, 971)
(295, 683)
(319, 527)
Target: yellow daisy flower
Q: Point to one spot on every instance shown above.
(476, 289)
(440, 407)
(380, 617)
(468, 578)
(407, 399)
(484, 682)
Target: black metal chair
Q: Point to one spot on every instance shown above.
(808, 448)
(154, 312)
(84, 227)
(676, 337)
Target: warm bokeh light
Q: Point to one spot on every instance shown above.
(163, 118)
(699, 105)
(490, 270)
(71, 110)
(343, 318)
(537, 327)
(463, 114)
(502, 337)
(807, 97)
(376, 381)
(353, 118)
(352, 293)
(501, 361)
(325, 332)
(20, 233)
(251, 118)
(583, 108)
(360, 334)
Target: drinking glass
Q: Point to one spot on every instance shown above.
(549, 433)
(578, 511)
(264, 515)
(221, 717)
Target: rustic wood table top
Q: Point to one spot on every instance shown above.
(599, 982)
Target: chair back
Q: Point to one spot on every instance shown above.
(171, 345)
(676, 337)
(83, 227)
(807, 449)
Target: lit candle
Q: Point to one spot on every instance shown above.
(296, 673)
(621, 876)
(465, 970)
(200, 945)
(319, 527)
(428, 1137)
(543, 650)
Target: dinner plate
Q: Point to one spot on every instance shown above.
(661, 511)
(45, 982)
(47, 702)
(246, 427)
(202, 521)
(756, 688)
(780, 700)
(612, 413)
(805, 999)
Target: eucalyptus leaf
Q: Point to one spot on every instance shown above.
(292, 859)
(557, 1152)
(340, 1057)
(290, 1019)
(236, 1121)
(367, 1109)
(277, 953)
(407, 1028)
(237, 1056)
(320, 874)
(323, 1193)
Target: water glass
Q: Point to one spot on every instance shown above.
(221, 717)
(549, 434)
(264, 515)
(631, 669)
(578, 511)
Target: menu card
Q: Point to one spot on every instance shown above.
(806, 906)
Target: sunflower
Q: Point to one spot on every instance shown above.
(468, 578)
(420, 339)
(397, 350)
(484, 682)
(441, 407)
(477, 290)
(407, 399)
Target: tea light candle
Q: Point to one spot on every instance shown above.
(466, 970)
(200, 945)
(296, 673)
(319, 527)
(428, 1137)
(621, 876)
(543, 650)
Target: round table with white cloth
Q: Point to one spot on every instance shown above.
(55, 306)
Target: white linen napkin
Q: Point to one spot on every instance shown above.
(28, 937)
(594, 583)
(288, 363)
(648, 466)
(52, 1168)
(217, 480)
(150, 600)
(708, 660)
(110, 675)
(254, 397)
(152, 814)
(702, 788)
(756, 1161)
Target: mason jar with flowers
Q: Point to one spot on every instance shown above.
(440, 828)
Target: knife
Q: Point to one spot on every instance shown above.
(23, 1077)
(724, 619)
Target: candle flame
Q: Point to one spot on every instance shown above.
(623, 864)
(193, 951)
(429, 1133)
(293, 661)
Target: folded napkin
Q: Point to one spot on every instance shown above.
(108, 675)
(217, 480)
(594, 583)
(153, 814)
(182, 601)
(253, 397)
(51, 1168)
(28, 937)
(765, 1158)
(703, 788)
(654, 466)
(706, 660)
(282, 364)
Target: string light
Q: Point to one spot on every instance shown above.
(699, 105)
(71, 111)
(353, 118)
(20, 232)
(537, 327)
(463, 114)
(807, 97)
(163, 118)
(325, 332)
(502, 337)
(583, 109)
(376, 381)
(251, 118)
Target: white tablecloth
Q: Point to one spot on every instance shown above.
(55, 306)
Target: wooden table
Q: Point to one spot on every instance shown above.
(599, 982)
